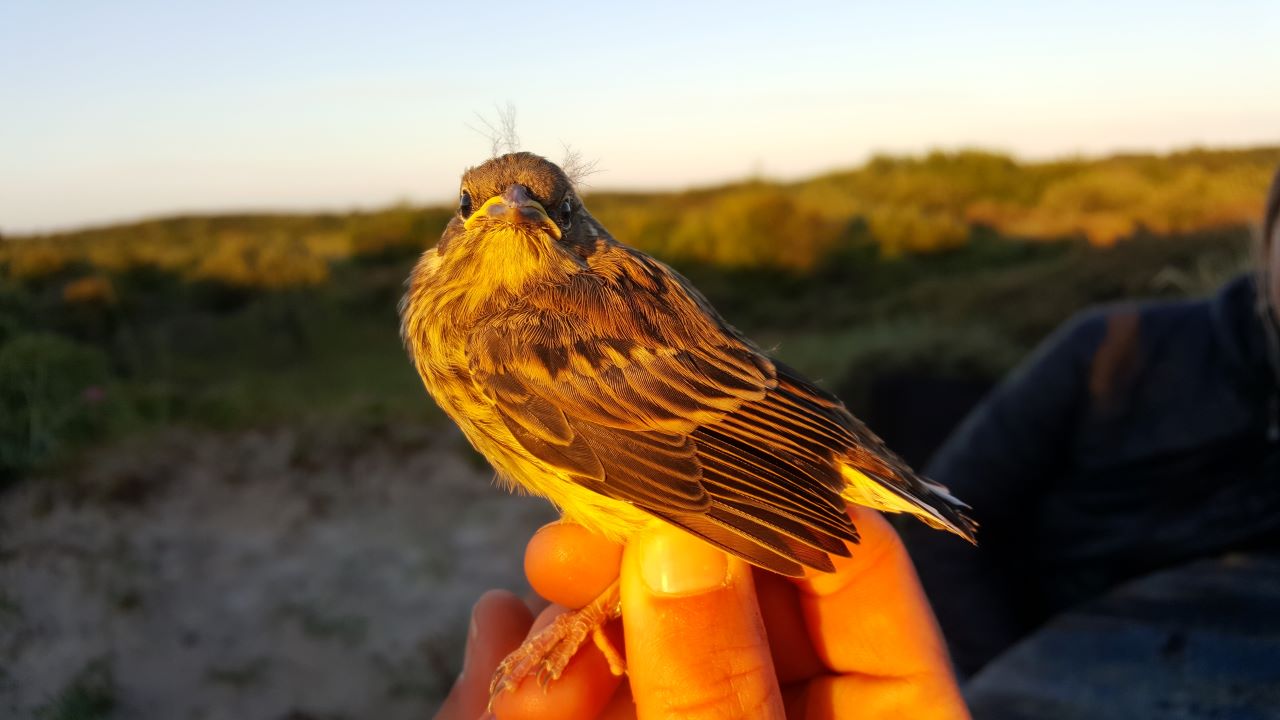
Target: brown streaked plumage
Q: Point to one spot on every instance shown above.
(598, 377)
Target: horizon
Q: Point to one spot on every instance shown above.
(178, 214)
(161, 111)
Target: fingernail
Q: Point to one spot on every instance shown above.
(673, 562)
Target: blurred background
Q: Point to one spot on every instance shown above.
(223, 490)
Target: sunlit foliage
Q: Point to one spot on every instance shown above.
(90, 289)
(270, 260)
(906, 205)
(753, 226)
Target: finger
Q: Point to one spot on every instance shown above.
(499, 621)
(793, 655)
(832, 697)
(870, 615)
(695, 640)
(569, 565)
(621, 706)
(582, 691)
(535, 602)
(870, 618)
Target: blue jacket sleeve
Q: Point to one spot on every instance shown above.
(1001, 460)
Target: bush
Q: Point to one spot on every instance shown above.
(848, 361)
(273, 260)
(52, 394)
(755, 227)
(903, 230)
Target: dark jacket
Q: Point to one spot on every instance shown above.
(1136, 437)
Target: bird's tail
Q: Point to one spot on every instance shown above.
(904, 491)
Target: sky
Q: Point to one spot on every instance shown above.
(123, 110)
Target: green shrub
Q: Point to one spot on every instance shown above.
(52, 395)
(848, 361)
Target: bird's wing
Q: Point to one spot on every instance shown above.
(629, 383)
(606, 383)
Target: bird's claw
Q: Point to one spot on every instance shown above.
(547, 653)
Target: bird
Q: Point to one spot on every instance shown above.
(591, 374)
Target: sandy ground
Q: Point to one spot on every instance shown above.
(285, 575)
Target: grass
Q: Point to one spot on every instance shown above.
(347, 368)
(90, 695)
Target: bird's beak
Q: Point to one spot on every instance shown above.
(515, 207)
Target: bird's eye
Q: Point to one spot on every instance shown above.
(566, 214)
(464, 204)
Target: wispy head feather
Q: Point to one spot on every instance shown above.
(576, 167)
(501, 131)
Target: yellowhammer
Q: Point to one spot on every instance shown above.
(595, 376)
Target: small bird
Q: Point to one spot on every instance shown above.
(597, 377)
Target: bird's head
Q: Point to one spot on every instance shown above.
(518, 218)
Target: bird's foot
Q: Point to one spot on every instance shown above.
(547, 653)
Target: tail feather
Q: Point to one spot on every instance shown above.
(925, 499)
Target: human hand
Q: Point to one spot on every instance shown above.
(707, 636)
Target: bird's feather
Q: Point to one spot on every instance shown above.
(685, 418)
(606, 367)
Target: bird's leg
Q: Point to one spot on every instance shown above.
(554, 646)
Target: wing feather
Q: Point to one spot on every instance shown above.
(636, 389)
(744, 542)
(575, 456)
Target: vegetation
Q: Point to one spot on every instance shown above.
(950, 263)
(89, 696)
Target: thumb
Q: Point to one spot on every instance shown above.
(696, 645)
